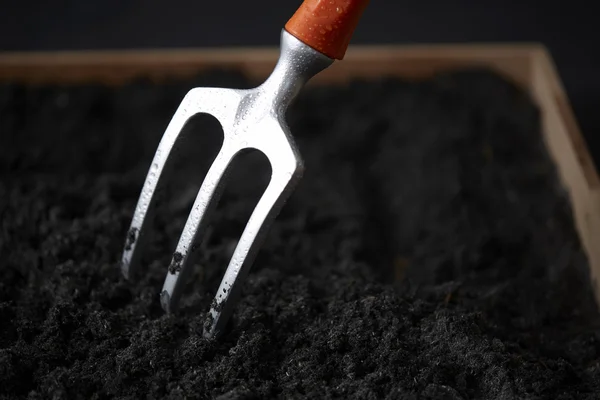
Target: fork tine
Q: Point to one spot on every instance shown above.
(266, 210)
(136, 232)
(197, 222)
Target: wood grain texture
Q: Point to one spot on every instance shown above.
(528, 65)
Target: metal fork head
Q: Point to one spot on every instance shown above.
(251, 119)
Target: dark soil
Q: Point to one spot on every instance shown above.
(427, 253)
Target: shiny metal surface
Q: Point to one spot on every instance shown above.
(252, 118)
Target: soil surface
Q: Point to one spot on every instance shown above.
(428, 252)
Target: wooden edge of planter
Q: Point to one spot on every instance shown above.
(119, 66)
(528, 65)
(567, 146)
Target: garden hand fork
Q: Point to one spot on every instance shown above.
(316, 35)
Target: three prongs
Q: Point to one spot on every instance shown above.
(251, 119)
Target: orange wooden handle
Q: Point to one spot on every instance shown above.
(327, 25)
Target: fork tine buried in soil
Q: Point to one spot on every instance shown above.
(316, 35)
(243, 257)
(195, 226)
(131, 254)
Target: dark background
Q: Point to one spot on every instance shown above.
(568, 28)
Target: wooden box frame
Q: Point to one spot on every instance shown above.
(528, 65)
